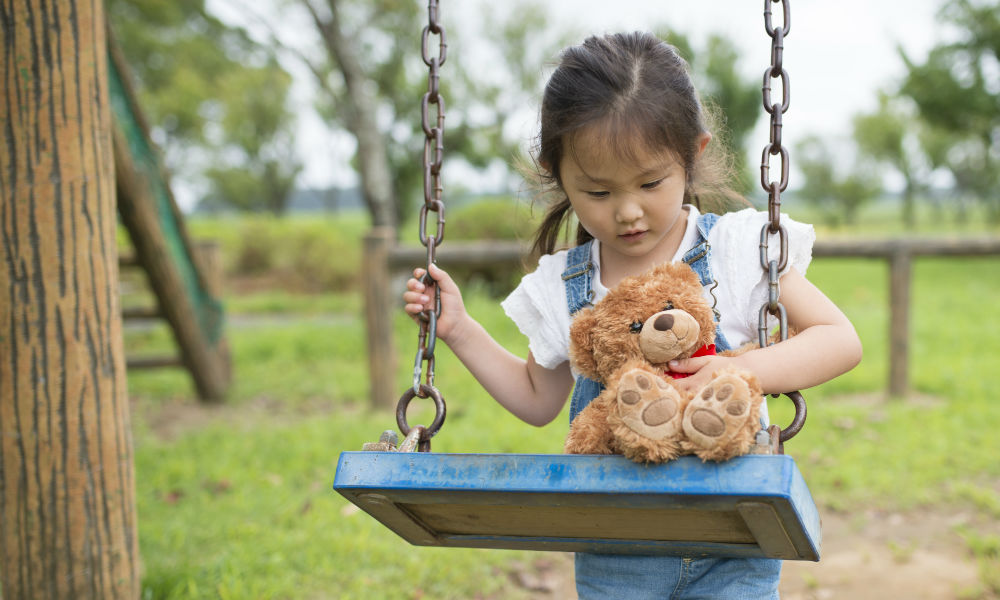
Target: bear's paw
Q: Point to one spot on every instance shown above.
(648, 405)
(720, 421)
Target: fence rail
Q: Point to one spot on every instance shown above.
(383, 258)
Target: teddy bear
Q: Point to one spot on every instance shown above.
(625, 342)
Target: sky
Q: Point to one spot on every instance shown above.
(837, 54)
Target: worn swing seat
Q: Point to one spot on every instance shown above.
(750, 506)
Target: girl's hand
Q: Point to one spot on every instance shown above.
(701, 368)
(420, 297)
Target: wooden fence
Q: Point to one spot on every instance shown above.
(383, 258)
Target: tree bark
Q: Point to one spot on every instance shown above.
(67, 491)
(373, 161)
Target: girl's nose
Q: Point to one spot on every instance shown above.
(629, 210)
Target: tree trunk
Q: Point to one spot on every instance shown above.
(909, 202)
(373, 161)
(67, 491)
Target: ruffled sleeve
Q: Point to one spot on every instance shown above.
(538, 308)
(735, 242)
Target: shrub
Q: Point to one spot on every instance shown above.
(312, 257)
(487, 220)
(292, 253)
(254, 252)
(492, 219)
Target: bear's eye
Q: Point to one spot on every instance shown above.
(635, 327)
(668, 306)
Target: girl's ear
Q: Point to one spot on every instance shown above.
(703, 141)
(581, 343)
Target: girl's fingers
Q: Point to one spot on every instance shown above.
(416, 298)
(688, 365)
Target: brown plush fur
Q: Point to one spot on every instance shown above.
(642, 413)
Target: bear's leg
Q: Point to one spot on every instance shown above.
(721, 420)
(589, 432)
(647, 422)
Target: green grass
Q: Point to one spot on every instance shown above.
(236, 501)
(883, 219)
(944, 434)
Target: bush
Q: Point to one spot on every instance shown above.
(486, 220)
(313, 258)
(293, 253)
(492, 219)
(254, 251)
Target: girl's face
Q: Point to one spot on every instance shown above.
(632, 205)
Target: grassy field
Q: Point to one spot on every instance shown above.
(235, 501)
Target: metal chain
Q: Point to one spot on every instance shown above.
(433, 191)
(774, 188)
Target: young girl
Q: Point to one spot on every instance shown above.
(623, 146)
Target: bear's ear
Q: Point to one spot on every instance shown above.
(581, 342)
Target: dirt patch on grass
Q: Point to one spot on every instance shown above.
(876, 555)
(870, 556)
(169, 419)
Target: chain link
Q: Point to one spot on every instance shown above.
(773, 267)
(433, 158)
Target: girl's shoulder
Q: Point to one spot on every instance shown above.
(736, 237)
(547, 275)
(554, 264)
(748, 223)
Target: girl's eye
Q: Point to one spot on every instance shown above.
(652, 184)
(668, 306)
(635, 327)
(597, 194)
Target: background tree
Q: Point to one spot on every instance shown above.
(887, 137)
(738, 100)
(367, 67)
(956, 93)
(838, 197)
(371, 78)
(215, 98)
(254, 166)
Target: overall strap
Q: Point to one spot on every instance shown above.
(701, 251)
(698, 259)
(579, 277)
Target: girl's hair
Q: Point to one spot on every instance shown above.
(637, 93)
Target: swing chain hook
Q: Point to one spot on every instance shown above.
(773, 267)
(426, 433)
(433, 159)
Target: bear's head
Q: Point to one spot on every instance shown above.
(657, 316)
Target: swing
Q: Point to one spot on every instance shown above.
(756, 505)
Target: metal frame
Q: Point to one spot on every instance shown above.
(750, 506)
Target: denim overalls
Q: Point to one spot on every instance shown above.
(606, 576)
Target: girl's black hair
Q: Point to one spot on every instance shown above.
(636, 90)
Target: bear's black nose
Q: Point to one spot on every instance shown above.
(663, 322)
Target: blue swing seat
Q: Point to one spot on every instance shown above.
(750, 506)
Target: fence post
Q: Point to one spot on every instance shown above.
(899, 317)
(379, 310)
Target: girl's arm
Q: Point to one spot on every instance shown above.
(824, 346)
(531, 392)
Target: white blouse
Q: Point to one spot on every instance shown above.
(539, 309)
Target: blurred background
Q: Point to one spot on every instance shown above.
(290, 128)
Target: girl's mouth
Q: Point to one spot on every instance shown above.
(633, 236)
